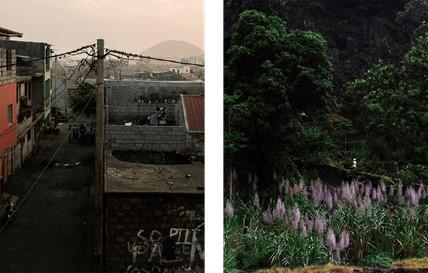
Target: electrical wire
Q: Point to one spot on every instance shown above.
(53, 56)
(45, 168)
(10, 129)
(127, 54)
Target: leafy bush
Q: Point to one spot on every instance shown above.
(378, 258)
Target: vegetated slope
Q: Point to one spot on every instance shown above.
(178, 49)
(359, 32)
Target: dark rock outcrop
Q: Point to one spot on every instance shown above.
(359, 32)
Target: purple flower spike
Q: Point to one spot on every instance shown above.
(348, 192)
(303, 228)
(319, 224)
(383, 187)
(256, 200)
(229, 209)
(380, 194)
(400, 192)
(317, 192)
(295, 217)
(344, 240)
(329, 200)
(367, 205)
(331, 239)
(234, 174)
(279, 211)
(267, 217)
(413, 196)
(374, 194)
(421, 191)
(255, 181)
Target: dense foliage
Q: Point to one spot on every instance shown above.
(85, 95)
(357, 223)
(284, 120)
(277, 82)
(389, 108)
(280, 108)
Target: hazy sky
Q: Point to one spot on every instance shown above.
(131, 25)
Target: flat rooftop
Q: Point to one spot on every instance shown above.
(128, 177)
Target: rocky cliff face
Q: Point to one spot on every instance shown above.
(359, 32)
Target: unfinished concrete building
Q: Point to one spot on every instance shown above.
(154, 176)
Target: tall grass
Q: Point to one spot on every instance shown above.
(312, 223)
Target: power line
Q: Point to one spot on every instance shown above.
(45, 168)
(10, 129)
(53, 56)
(127, 54)
(63, 83)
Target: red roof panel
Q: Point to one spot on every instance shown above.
(194, 108)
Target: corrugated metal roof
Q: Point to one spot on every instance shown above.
(9, 33)
(194, 108)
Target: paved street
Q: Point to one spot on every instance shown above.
(51, 232)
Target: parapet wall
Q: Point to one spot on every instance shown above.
(150, 138)
(138, 112)
(128, 92)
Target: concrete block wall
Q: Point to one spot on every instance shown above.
(7, 74)
(31, 49)
(136, 112)
(153, 232)
(196, 142)
(143, 137)
(129, 91)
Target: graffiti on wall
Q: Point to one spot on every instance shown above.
(180, 246)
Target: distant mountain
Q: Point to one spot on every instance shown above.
(173, 49)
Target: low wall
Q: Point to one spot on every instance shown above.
(143, 137)
(153, 232)
(124, 92)
(121, 113)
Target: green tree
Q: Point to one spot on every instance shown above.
(277, 81)
(389, 106)
(85, 92)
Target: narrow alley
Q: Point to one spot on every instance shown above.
(51, 232)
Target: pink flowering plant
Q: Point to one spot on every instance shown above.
(313, 223)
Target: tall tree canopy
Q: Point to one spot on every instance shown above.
(390, 107)
(277, 82)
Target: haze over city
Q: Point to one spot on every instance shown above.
(132, 25)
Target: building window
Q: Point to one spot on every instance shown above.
(28, 90)
(10, 114)
(48, 59)
(9, 59)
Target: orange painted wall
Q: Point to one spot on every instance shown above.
(7, 130)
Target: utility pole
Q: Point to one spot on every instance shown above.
(99, 160)
(65, 95)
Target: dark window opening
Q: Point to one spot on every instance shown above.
(10, 113)
(28, 90)
(48, 55)
(8, 59)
